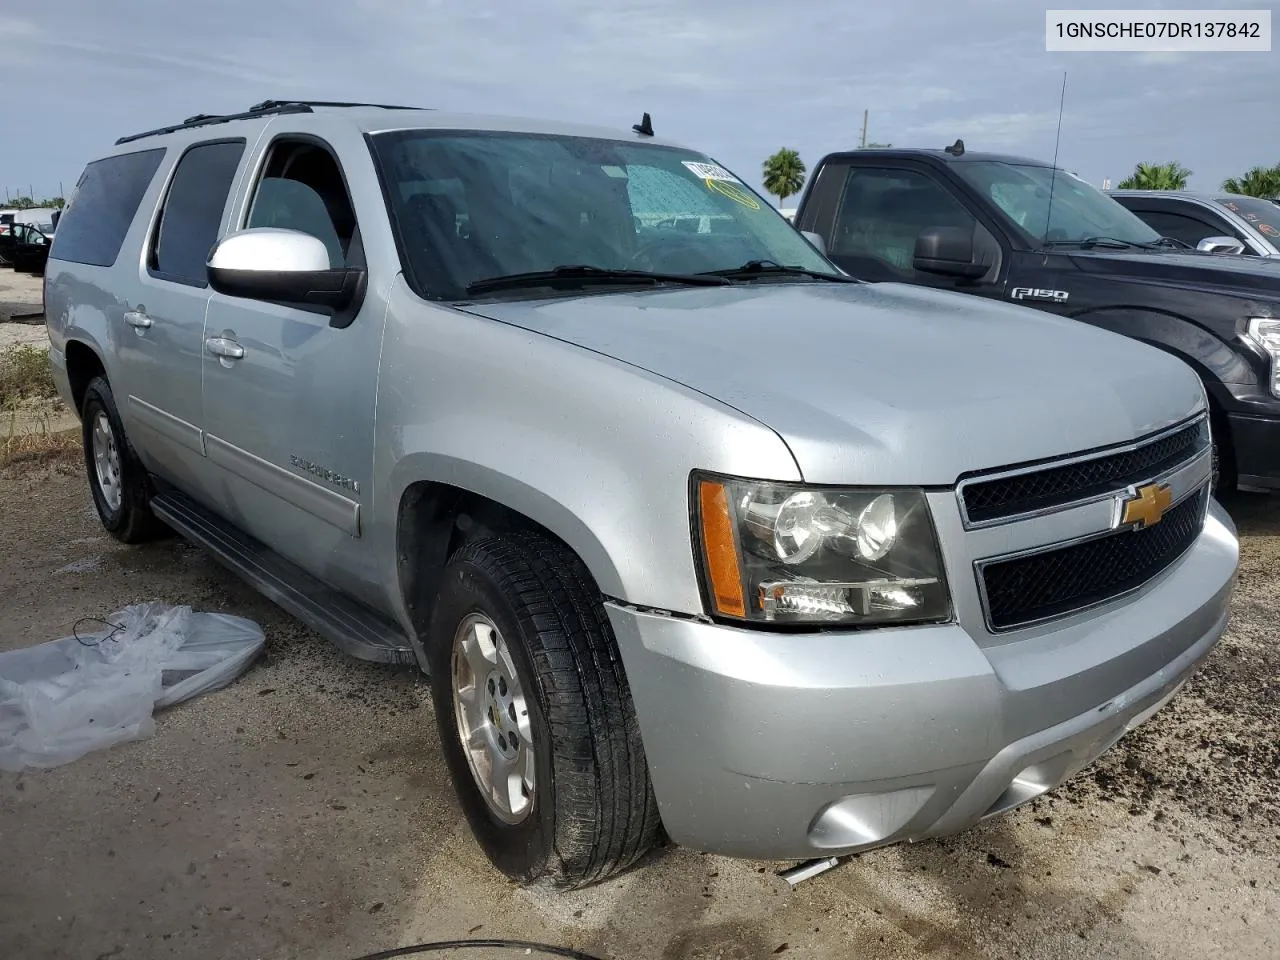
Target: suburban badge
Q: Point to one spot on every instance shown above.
(324, 473)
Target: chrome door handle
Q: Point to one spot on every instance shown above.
(136, 318)
(224, 348)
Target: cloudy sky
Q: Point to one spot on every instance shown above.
(737, 79)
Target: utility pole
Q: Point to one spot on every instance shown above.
(863, 144)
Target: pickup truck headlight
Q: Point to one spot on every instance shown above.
(788, 554)
(1265, 332)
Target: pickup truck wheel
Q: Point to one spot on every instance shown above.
(1223, 476)
(535, 715)
(117, 478)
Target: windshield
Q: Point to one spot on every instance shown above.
(1078, 212)
(470, 206)
(1262, 215)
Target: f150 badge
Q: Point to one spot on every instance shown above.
(1036, 293)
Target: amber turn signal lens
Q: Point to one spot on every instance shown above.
(719, 549)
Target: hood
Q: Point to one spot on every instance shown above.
(883, 383)
(1242, 275)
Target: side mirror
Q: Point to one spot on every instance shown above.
(816, 240)
(948, 252)
(281, 266)
(1220, 245)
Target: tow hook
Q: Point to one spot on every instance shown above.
(808, 870)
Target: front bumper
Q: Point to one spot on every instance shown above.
(1256, 444)
(788, 746)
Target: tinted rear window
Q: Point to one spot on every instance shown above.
(106, 199)
(1262, 215)
(193, 211)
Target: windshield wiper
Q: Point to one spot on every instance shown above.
(1110, 243)
(580, 274)
(755, 268)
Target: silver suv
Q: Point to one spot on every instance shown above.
(690, 530)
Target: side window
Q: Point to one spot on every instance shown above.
(103, 205)
(880, 215)
(301, 188)
(192, 212)
(1190, 230)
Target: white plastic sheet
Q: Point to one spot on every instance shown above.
(60, 700)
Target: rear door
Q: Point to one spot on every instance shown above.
(160, 339)
(870, 213)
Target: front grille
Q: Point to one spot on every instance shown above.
(1023, 590)
(1053, 486)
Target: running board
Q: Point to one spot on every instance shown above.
(353, 627)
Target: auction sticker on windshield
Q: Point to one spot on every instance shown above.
(710, 171)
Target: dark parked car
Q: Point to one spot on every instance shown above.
(1193, 218)
(1024, 231)
(30, 249)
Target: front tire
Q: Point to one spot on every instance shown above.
(535, 714)
(117, 479)
(1224, 456)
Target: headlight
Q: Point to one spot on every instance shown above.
(1265, 332)
(787, 554)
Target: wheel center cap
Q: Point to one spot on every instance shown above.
(498, 698)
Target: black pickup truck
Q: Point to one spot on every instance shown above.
(1030, 233)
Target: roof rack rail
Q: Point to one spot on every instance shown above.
(257, 110)
(204, 119)
(275, 104)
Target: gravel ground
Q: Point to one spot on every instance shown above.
(303, 812)
(21, 295)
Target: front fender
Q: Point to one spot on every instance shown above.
(497, 485)
(595, 450)
(1217, 361)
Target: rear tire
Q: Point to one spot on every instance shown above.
(574, 803)
(117, 480)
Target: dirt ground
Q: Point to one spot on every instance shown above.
(303, 812)
(21, 296)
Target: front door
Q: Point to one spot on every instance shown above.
(160, 335)
(1187, 222)
(881, 212)
(288, 397)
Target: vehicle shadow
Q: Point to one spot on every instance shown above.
(1255, 514)
(1004, 896)
(994, 891)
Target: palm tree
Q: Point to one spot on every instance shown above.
(784, 174)
(1156, 176)
(1259, 182)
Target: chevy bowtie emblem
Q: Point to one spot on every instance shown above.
(1146, 505)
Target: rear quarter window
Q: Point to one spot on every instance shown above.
(93, 227)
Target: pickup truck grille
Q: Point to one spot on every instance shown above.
(1023, 590)
(1031, 490)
